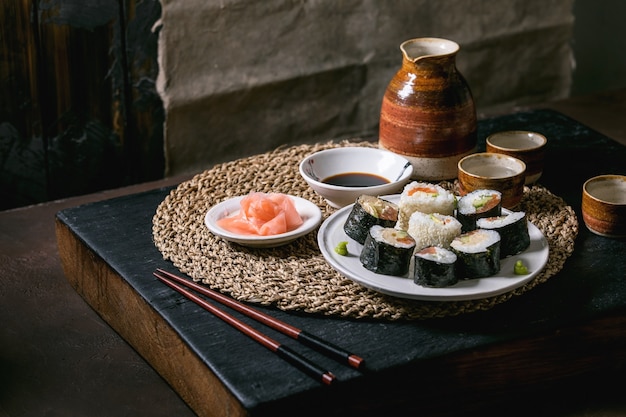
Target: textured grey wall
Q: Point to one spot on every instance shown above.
(599, 46)
(240, 77)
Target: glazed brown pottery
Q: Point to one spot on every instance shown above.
(492, 171)
(530, 147)
(428, 113)
(604, 205)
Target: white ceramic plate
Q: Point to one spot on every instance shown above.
(310, 213)
(331, 233)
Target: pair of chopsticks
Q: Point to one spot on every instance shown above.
(280, 349)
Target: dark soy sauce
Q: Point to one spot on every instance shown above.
(355, 179)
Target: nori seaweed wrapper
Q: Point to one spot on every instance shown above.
(429, 272)
(514, 236)
(384, 257)
(468, 219)
(477, 264)
(360, 219)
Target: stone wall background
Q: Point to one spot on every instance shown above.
(239, 77)
(80, 111)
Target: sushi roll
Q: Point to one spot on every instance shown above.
(478, 253)
(387, 251)
(426, 198)
(434, 267)
(366, 212)
(433, 229)
(513, 230)
(476, 205)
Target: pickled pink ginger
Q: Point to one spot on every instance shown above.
(264, 215)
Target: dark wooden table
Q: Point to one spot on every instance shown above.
(58, 357)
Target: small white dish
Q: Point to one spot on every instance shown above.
(331, 233)
(316, 169)
(310, 213)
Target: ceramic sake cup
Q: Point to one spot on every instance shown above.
(604, 205)
(341, 175)
(493, 171)
(530, 147)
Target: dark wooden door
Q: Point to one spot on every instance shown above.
(79, 111)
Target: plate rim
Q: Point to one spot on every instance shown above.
(312, 218)
(451, 293)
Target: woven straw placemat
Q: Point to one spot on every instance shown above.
(296, 276)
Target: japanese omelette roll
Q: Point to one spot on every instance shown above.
(387, 251)
(513, 230)
(434, 266)
(366, 212)
(478, 253)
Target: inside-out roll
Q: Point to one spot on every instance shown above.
(426, 198)
(433, 229)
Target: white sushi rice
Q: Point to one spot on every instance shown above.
(391, 236)
(466, 203)
(437, 254)
(433, 229)
(500, 221)
(475, 241)
(413, 199)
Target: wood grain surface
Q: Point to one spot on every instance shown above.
(141, 326)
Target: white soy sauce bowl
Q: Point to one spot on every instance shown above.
(330, 173)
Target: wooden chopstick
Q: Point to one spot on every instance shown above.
(303, 336)
(281, 350)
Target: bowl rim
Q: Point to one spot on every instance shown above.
(432, 46)
(492, 155)
(603, 177)
(406, 173)
(489, 140)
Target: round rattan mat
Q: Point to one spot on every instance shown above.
(296, 276)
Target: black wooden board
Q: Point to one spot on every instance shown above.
(397, 354)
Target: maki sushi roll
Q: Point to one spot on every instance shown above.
(426, 198)
(434, 267)
(433, 229)
(478, 253)
(387, 251)
(476, 205)
(366, 212)
(513, 230)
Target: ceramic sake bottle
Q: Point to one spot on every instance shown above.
(428, 113)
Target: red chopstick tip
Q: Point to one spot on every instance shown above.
(328, 378)
(355, 361)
